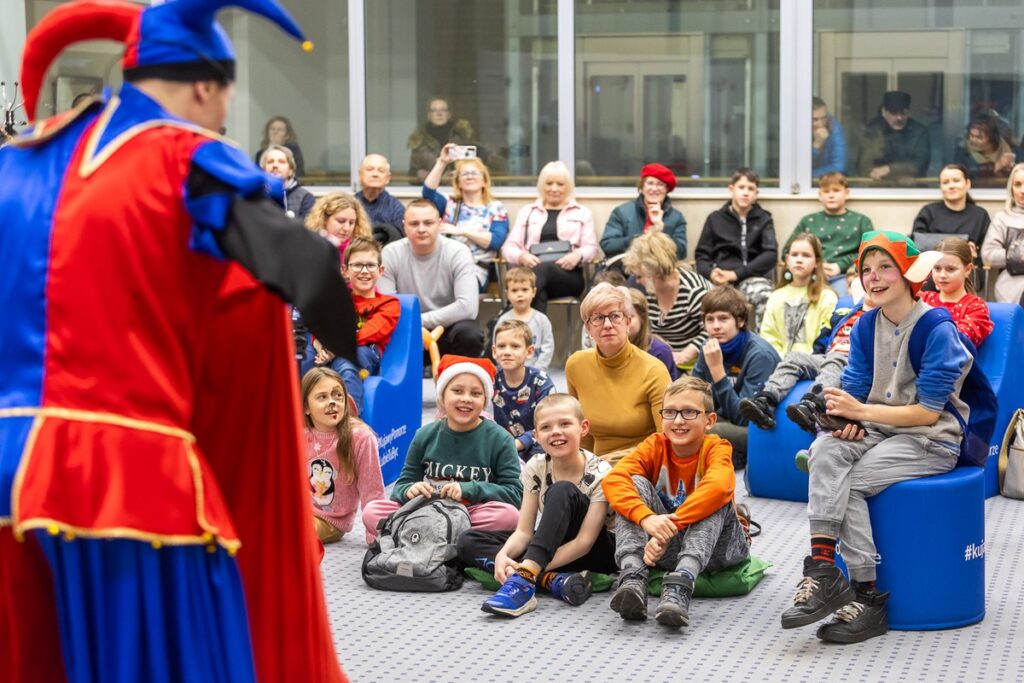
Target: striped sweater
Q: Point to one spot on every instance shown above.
(683, 324)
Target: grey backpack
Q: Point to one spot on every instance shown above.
(415, 548)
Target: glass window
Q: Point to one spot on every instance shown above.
(476, 72)
(692, 85)
(913, 85)
(277, 80)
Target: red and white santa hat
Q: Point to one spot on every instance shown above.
(451, 366)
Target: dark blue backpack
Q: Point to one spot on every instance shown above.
(976, 391)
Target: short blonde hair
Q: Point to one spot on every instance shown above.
(1010, 203)
(515, 326)
(332, 203)
(520, 274)
(558, 400)
(651, 254)
(556, 169)
(604, 294)
(691, 383)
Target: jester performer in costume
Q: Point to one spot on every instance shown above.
(153, 515)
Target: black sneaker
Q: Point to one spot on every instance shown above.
(630, 597)
(804, 414)
(865, 617)
(674, 607)
(821, 592)
(760, 410)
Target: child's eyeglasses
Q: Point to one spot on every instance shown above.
(363, 267)
(688, 414)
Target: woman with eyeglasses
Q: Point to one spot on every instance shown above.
(472, 215)
(620, 387)
(554, 237)
(651, 211)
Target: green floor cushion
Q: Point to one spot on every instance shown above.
(736, 580)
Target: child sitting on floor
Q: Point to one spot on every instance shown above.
(520, 289)
(517, 387)
(735, 362)
(801, 303)
(341, 456)
(955, 285)
(642, 338)
(896, 428)
(673, 498)
(461, 456)
(564, 483)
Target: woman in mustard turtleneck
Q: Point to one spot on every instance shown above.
(619, 386)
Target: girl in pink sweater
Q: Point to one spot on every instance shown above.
(341, 455)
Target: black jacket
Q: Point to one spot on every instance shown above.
(720, 244)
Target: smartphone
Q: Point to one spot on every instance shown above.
(457, 152)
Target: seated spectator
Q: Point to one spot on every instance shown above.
(674, 295)
(558, 221)
(985, 153)
(517, 387)
(619, 386)
(651, 211)
(440, 129)
(737, 245)
(520, 290)
(472, 216)
(896, 428)
(956, 214)
(1004, 244)
(278, 161)
(339, 217)
(439, 272)
(801, 303)
(641, 337)
(828, 143)
(674, 499)
(838, 228)
(279, 131)
(736, 363)
(955, 290)
(386, 212)
(895, 147)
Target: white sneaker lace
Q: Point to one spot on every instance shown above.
(849, 612)
(805, 590)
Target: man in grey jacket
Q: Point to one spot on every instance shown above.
(441, 273)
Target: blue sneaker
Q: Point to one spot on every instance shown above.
(570, 587)
(515, 597)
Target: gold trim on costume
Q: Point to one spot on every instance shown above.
(210, 532)
(46, 129)
(92, 161)
(78, 415)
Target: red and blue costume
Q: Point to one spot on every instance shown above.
(153, 515)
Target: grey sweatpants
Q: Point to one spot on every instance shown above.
(827, 369)
(843, 474)
(715, 542)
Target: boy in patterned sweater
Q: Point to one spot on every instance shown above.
(673, 498)
(517, 387)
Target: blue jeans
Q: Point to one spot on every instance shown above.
(369, 360)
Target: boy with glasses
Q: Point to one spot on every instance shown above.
(673, 499)
(377, 315)
(736, 363)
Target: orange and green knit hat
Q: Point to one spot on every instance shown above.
(902, 250)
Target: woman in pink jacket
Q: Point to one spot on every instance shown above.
(554, 236)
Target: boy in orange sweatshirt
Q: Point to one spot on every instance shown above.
(673, 498)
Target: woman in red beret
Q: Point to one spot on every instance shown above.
(651, 211)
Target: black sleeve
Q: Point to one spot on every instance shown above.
(291, 261)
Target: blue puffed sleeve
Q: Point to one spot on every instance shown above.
(238, 177)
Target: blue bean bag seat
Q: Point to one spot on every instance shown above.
(393, 399)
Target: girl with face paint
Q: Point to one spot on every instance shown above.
(341, 455)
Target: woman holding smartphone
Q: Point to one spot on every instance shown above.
(554, 236)
(472, 215)
(651, 211)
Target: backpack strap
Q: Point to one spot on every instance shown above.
(931, 319)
